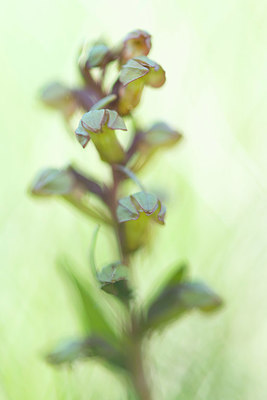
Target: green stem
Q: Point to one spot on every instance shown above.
(136, 366)
(136, 362)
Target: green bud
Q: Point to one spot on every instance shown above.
(97, 55)
(73, 187)
(59, 97)
(135, 44)
(158, 137)
(135, 213)
(161, 135)
(53, 182)
(99, 125)
(114, 280)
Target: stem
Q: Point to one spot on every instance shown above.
(137, 368)
(138, 374)
(136, 362)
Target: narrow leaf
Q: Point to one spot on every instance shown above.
(84, 348)
(177, 299)
(92, 315)
(92, 252)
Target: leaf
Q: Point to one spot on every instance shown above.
(92, 315)
(179, 298)
(92, 252)
(67, 351)
(178, 275)
(52, 181)
(114, 280)
(84, 348)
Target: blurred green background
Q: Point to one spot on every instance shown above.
(215, 57)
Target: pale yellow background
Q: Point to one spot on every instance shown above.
(214, 53)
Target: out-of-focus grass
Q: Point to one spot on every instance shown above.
(214, 56)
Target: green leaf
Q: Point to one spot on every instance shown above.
(52, 181)
(114, 280)
(84, 348)
(67, 351)
(178, 275)
(92, 252)
(92, 315)
(177, 299)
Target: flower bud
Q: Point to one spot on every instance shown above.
(135, 214)
(59, 97)
(135, 44)
(114, 280)
(53, 182)
(161, 135)
(158, 137)
(135, 74)
(99, 125)
(97, 55)
(73, 187)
